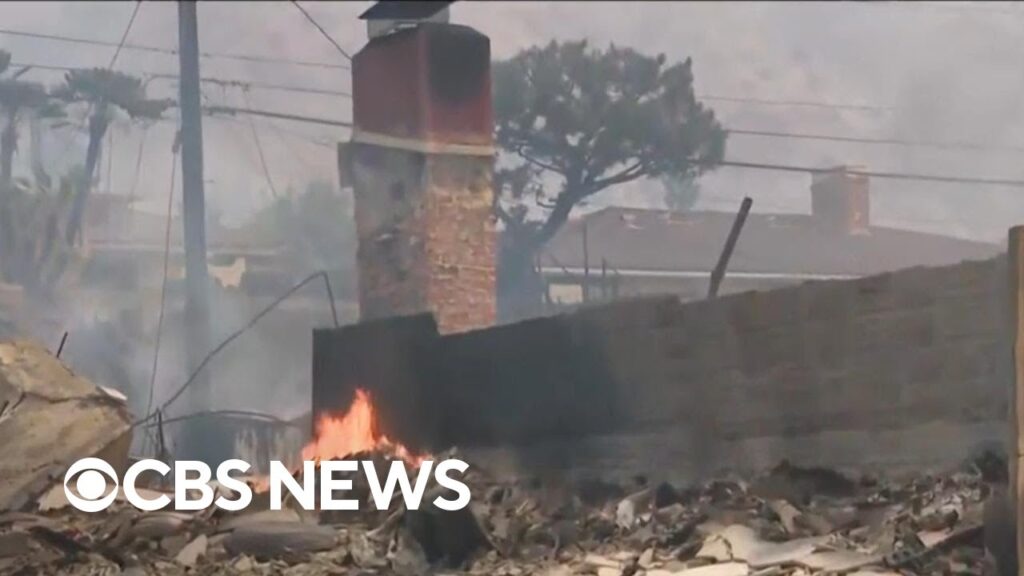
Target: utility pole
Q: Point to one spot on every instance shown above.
(197, 309)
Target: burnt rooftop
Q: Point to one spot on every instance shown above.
(659, 240)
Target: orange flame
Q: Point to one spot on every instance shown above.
(355, 431)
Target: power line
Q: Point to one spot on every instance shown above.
(280, 115)
(322, 31)
(259, 148)
(798, 103)
(765, 133)
(113, 60)
(263, 85)
(217, 81)
(120, 45)
(889, 141)
(175, 148)
(234, 335)
(169, 51)
(870, 174)
(242, 414)
(329, 92)
(297, 135)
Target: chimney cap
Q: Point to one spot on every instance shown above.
(841, 170)
(406, 11)
(389, 16)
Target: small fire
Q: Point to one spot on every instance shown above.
(356, 431)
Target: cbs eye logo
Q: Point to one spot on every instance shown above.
(90, 485)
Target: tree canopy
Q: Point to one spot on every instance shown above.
(102, 86)
(572, 121)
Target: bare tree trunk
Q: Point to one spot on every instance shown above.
(97, 129)
(520, 290)
(8, 144)
(36, 150)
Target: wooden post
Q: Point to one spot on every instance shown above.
(730, 242)
(586, 264)
(544, 284)
(604, 279)
(1016, 446)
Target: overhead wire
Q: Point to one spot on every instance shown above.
(219, 81)
(171, 51)
(243, 414)
(127, 29)
(321, 29)
(175, 150)
(113, 60)
(871, 174)
(259, 148)
(237, 333)
(798, 103)
(890, 141)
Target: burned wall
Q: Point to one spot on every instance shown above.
(426, 236)
(811, 363)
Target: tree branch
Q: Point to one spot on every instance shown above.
(540, 201)
(632, 173)
(538, 163)
(559, 214)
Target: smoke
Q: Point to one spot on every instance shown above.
(949, 68)
(951, 72)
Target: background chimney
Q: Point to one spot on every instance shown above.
(840, 201)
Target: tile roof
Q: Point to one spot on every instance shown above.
(659, 240)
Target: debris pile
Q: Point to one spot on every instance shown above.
(50, 417)
(788, 521)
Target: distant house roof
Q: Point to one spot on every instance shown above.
(659, 241)
(403, 10)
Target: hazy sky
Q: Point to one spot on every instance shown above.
(953, 71)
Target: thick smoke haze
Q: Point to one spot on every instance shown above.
(951, 72)
(939, 72)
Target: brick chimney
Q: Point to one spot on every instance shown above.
(840, 201)
(420, 162)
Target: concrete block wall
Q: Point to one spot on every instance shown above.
(811, 365)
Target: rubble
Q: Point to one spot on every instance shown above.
(928, 524)
(788, 521)
(56, 418)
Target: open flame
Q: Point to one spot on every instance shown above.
(355, 431)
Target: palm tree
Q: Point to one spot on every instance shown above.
(105, 91)
(16, 97)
